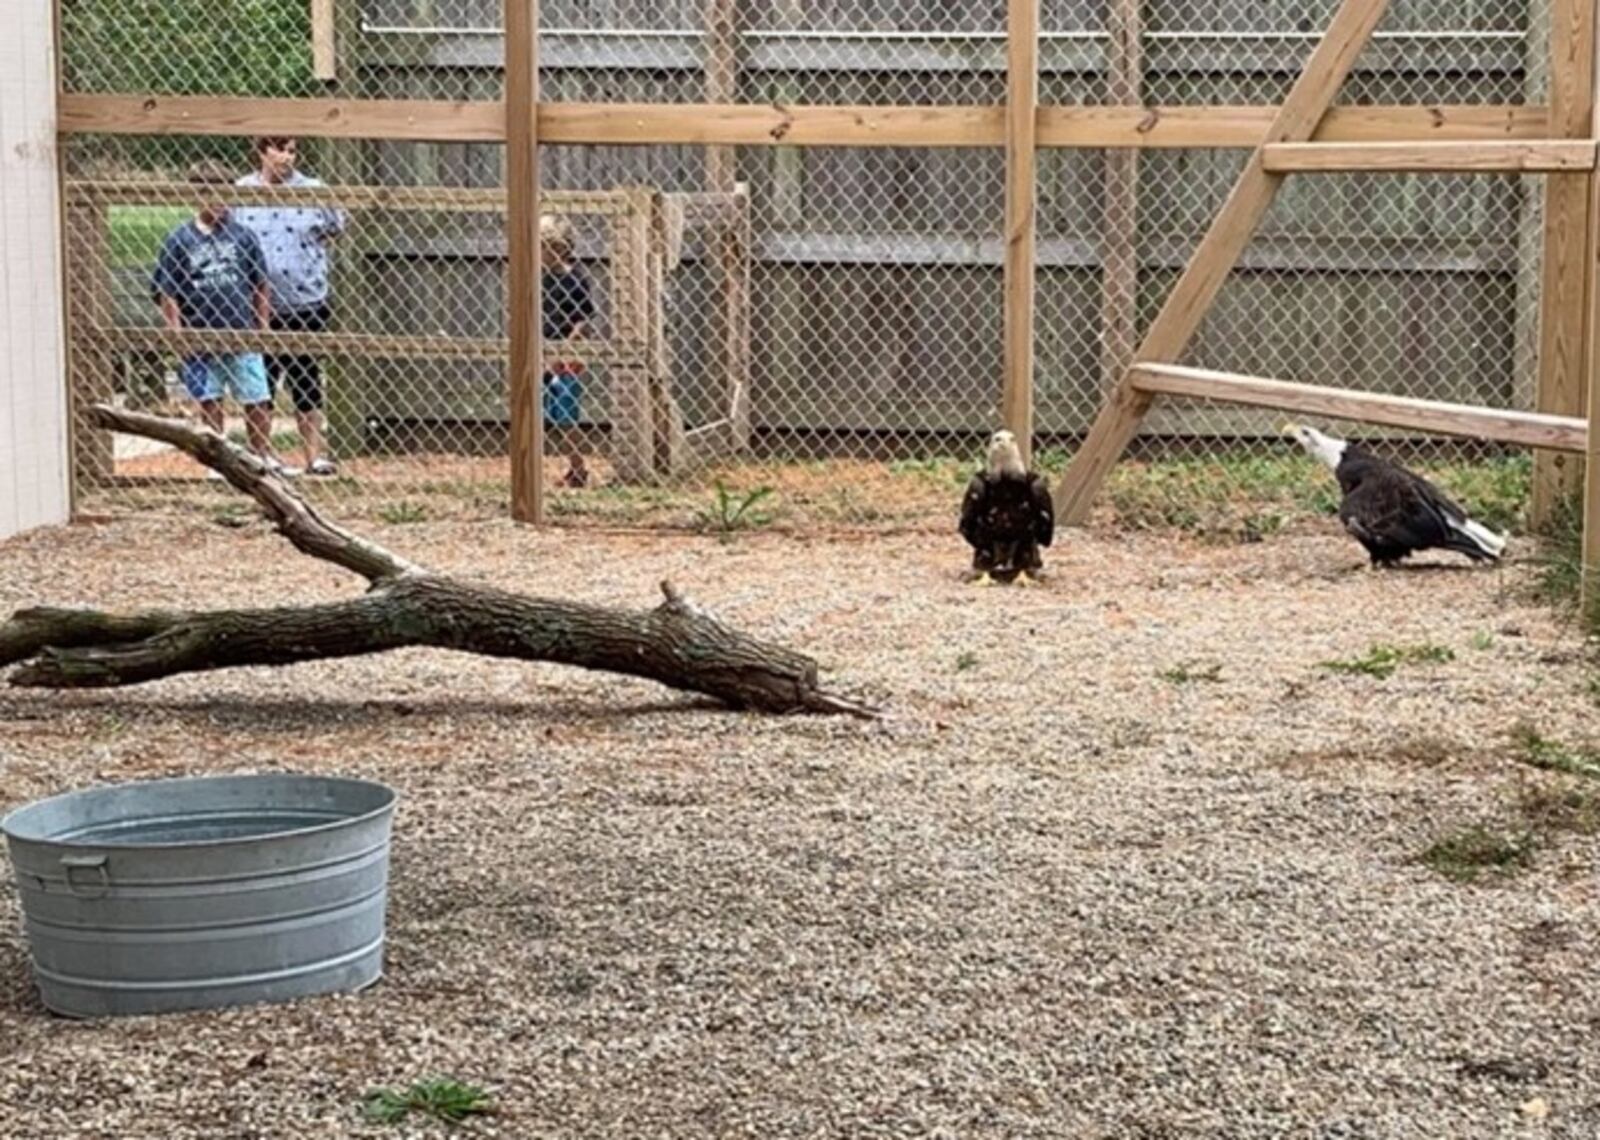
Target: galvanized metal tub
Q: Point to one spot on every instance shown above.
(193, 893)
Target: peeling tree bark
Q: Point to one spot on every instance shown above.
(677, 643)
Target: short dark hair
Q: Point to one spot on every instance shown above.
(276, 142)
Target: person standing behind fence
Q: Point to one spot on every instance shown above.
(568, 308)
(295, 241)
(211, 274)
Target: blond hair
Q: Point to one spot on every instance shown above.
(556, 234)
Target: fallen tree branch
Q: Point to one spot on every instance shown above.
(677, 643)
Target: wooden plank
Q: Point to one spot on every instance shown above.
(1562, 311)
(522, 243)
(453, 198)
(782, 125)
(381, 346)
(1022, 105)
(1119, 227)
(1589, 577)
(632, 436)
(1214, 258)
(90, 368)
(721, 84)
(1518, 156)
(306, 118)
(324, 57)
(1528, 429)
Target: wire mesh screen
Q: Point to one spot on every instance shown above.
(795, 334)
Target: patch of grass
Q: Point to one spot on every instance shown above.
(404, 511)
(1482, 640)
(966, 660)
(1540, 752)
(232, 515)
(1381, 661)
(1560, 579)
(442, 1098)
(731, 511)
(1575, 809)
(135, 233)
(1473, 852)
(1187, 671)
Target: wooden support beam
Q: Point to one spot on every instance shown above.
(422, 119)
(1563, 288)
(324, 57)
(1528, 429)
(1589, 579)
(522, 242)
(379, 346)
(1296, 121)
(1119, 225)
(1524, 156)
(1144, 128)
(1022, 104)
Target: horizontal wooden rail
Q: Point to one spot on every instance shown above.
(774, 125)
(1485, 155)
(81, 191)
(1531, 429)
(377, 345)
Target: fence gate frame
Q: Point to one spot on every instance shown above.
(1304, 134)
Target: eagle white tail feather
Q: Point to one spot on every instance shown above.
(1481, 536)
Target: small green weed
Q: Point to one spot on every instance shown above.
(1561, 809)
(1540, 752)
(232, 515)
(441, 1098)
(1187, 671)
(1382, 660)
(405, 511)
(733, 511)
(966, 660)
(1482, 640)
(1465, 855)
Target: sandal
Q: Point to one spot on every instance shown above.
(322, 466)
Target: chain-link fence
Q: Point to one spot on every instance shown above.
(806, 334)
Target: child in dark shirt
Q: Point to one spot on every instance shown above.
(568, 309)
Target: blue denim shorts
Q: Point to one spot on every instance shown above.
(563, 399)
(243, 374)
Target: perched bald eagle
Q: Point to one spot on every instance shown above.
(1394, 512)
(1006, 516)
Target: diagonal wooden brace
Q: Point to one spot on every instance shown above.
(1230, 231)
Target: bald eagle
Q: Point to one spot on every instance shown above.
(1006, 516)
(1394, 512)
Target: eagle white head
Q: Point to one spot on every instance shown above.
(1325, 448)
(1005, 458)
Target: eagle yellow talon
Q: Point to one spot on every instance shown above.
(983, 580)
(1027, 581)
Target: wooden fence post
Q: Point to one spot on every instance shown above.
(1590, 578)
(1119, 248)
(1022, 119)
(522, 244)
(1562, 312)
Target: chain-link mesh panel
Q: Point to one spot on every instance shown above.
(824, 322)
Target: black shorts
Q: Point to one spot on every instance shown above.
(302, 375)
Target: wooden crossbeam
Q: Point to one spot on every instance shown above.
(382, 346)
(762, 124)
(1214, 258)
(1526, 156)
(1529, 429)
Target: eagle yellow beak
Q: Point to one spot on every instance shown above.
(1289, 429)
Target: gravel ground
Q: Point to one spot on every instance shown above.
(1059, 892)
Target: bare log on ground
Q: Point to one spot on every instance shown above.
(677, 643)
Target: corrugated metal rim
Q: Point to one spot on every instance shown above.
(13, 825)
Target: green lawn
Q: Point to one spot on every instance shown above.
(137, 233)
